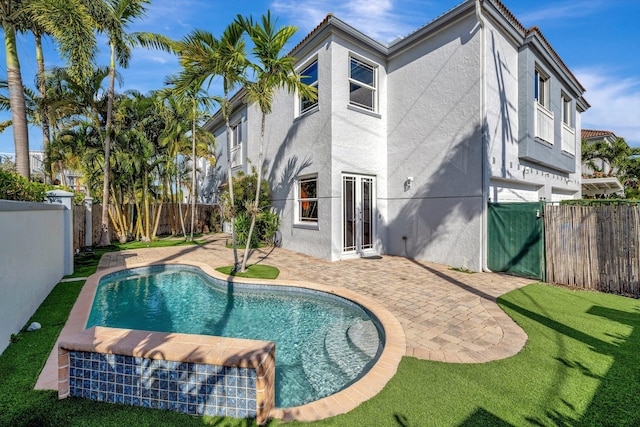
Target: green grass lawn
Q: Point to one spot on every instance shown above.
(255, 271)
(581, 366)
(85, 264)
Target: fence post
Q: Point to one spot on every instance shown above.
(66, 199)
(88, 221)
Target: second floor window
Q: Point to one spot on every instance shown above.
(309, 76)
(566, 110)
(362, 85)
(541, 88)
(236, 145)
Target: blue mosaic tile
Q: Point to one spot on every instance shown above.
(192, 388)
(210, 411)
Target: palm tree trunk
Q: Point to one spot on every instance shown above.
(46, 135)
(17, 102)
(193, 169)
(254, 211)
(178, 188)
(104, 237)
(236, 264)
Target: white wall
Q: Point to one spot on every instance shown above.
(359, 139)
(434, 135)
(32, 260)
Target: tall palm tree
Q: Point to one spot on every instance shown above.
(121, 13)
(70, 23)
(203, 57)
(273, 71)
(11, 17)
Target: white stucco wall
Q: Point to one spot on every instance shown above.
(32, 260)
(434, 133)
(359, 142)
(512, 178)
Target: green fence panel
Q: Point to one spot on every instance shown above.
(516, 239)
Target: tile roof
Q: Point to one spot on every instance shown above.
(505, 12)
(589, 133)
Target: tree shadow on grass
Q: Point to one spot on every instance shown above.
(617, 397)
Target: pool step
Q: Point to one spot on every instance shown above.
(320, 372)
(364, 335)
(348, 348)
(343, 353)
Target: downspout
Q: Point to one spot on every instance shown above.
(485, 143)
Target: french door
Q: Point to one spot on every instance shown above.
(358, 214)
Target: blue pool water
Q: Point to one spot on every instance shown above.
(323, 342)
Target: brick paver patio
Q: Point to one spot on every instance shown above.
(447, 315)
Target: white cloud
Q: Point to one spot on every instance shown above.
(379, 19)
(615, 103)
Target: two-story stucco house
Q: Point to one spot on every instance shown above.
(408, 142)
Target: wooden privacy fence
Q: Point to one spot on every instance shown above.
(594, 247)
(203, 222)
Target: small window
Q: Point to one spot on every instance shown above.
(309, 76)
(542, 88)
(362, 85)
(566, 110)
(236, 145)
(308, 199)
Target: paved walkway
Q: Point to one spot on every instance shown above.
(446, 315)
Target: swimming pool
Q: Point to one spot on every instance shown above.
(324, 342)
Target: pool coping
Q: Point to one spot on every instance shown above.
(343, 401)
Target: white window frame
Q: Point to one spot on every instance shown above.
(314, 105)
(567, 107)
(299, 220)
(236, 145)
(374, 88)
(541, 88)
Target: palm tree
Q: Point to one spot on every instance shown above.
(203, 58)
(273, 71)
(70, 23)
(11, 17)
(120, 14)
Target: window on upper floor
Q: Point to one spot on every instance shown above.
(542, 88)
(307, 200)
(566, 110)
(309, 76)
(362, 84)
(236, 145)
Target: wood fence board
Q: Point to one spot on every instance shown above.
(594, 247)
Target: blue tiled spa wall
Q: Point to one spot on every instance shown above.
(229, 381)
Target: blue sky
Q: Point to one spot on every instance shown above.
(597, 39)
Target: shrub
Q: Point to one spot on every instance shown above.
(16, 187)
(267, 222)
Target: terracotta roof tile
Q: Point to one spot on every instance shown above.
(589, 133)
